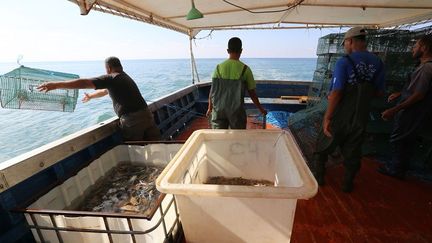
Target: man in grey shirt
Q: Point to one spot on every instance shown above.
(136, 121)
(412, 111)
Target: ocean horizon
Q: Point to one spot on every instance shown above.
(24, 130)
(23, 61)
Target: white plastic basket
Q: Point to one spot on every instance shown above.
(226, 213)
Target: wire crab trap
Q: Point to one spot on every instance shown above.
(18, 90)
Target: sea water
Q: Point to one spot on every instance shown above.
(24, 130)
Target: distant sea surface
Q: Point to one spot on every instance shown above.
(24, 130)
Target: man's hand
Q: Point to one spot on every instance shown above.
(208, 113)
(393, 96)
(334, 99)
(326, 127)
(48, 86)
(389, 113)
(86, 98)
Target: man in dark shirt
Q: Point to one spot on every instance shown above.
(136, 121)
(412, 112)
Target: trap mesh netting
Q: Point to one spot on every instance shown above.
(392, 46)
(18, 90)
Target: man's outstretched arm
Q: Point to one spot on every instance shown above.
(81, 83)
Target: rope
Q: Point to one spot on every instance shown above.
(205, 37)
(197, 114)
(295, 4)
(175, 107)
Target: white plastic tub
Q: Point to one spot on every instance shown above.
(62, 196)
(225, 213)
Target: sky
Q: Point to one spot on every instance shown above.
(54, 30)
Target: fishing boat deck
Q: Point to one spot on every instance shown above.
(380, 209)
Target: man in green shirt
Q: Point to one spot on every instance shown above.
(226, 98)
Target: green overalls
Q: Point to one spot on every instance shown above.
(348, 126)
(227, 96)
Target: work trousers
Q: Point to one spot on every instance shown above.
(138, 126)
(349, 141)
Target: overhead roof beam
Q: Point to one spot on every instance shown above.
(146, 13)
(234, 10)
(130, 9)
(278, 27)
(364, 6)
(265, 8)
(371, 25)
(142, 15)
(417, 18)
(84, 5)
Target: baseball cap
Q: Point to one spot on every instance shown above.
(355, 31)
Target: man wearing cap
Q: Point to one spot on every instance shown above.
(226, 98)
(357, 77)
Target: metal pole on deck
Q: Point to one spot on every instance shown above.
(196, 70)
(193, 63)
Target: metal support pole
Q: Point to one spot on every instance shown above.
(193, 63)
(192, 58)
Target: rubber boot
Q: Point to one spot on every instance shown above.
(348, 181)
(319, 170)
